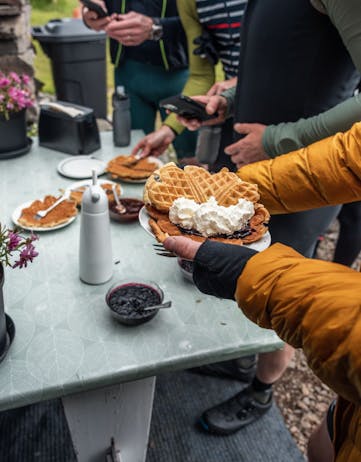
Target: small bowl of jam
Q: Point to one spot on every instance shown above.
(127, 211)
(186, 268)
(127, 301)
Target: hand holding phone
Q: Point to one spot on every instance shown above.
(92, 6)
(187, 107)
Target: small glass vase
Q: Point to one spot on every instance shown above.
(13, 139)
(7, 327)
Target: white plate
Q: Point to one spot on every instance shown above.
(260, 245)
(17, 212)
(142, 181)
(79, 184)
(80, 167)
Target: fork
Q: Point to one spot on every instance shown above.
(132, 160)
(42, 213)
(161, 250)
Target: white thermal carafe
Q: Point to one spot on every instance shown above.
(95, 248)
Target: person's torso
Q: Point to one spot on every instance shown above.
(150, 51)
(293, 63)
(223, 20)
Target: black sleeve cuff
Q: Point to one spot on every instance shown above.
(217, 267)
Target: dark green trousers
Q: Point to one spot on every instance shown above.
(146, 85)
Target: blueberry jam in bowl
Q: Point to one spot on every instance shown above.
(127, 300)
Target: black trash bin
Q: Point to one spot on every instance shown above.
(78, 60)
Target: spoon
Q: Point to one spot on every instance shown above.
(120, 207)
(157, 307)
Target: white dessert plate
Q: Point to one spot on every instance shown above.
(129, 180)
(260, 245)
(17, 213)
(80, 167)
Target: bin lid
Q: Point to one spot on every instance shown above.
(66, 30)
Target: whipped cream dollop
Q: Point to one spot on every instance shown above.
(209, 218)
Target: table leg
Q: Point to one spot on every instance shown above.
(121, 413)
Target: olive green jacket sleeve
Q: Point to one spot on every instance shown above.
(201, 71)
(230, 96)
(283, 138)
(287, 137)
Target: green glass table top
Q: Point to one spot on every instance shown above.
(66, 340)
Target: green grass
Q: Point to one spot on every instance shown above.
(42, 11)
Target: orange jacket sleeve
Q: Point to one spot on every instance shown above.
(325, 173)
(311, 304)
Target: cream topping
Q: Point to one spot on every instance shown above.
(209, 218)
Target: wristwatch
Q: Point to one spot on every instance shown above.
(157, 30)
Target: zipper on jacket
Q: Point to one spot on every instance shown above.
(161, 41)
(120, 46)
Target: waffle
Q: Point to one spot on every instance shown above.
(162, 228)
(122, 168)
(170, 182)
(61, 214)
(77, 194)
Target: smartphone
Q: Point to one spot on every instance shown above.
(187, 107)
(92, 6)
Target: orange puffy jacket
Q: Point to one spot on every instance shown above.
(312, 304)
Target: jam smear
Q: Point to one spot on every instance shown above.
(246, 231)
(131, 205)
(131, 299)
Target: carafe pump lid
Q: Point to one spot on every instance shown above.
(94, 198)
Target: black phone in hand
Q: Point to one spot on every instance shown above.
(92, 6)
(187, 107)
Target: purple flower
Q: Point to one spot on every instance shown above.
(27, 255)
(14, 76)
(4, 82)
(14, 241)
(14, 93)
(16, 250)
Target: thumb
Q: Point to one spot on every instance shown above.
(244, 129)
(212, 105)
(138, 147)
(182, 246)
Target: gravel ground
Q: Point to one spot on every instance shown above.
(300, 395)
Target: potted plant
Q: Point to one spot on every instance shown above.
(16, 251)
(15, 98)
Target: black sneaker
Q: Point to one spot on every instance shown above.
(233, 369)
(237, 412)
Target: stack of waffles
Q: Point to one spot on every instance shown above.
(130, 168)
(169, 183)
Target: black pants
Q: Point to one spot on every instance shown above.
(348, 244)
